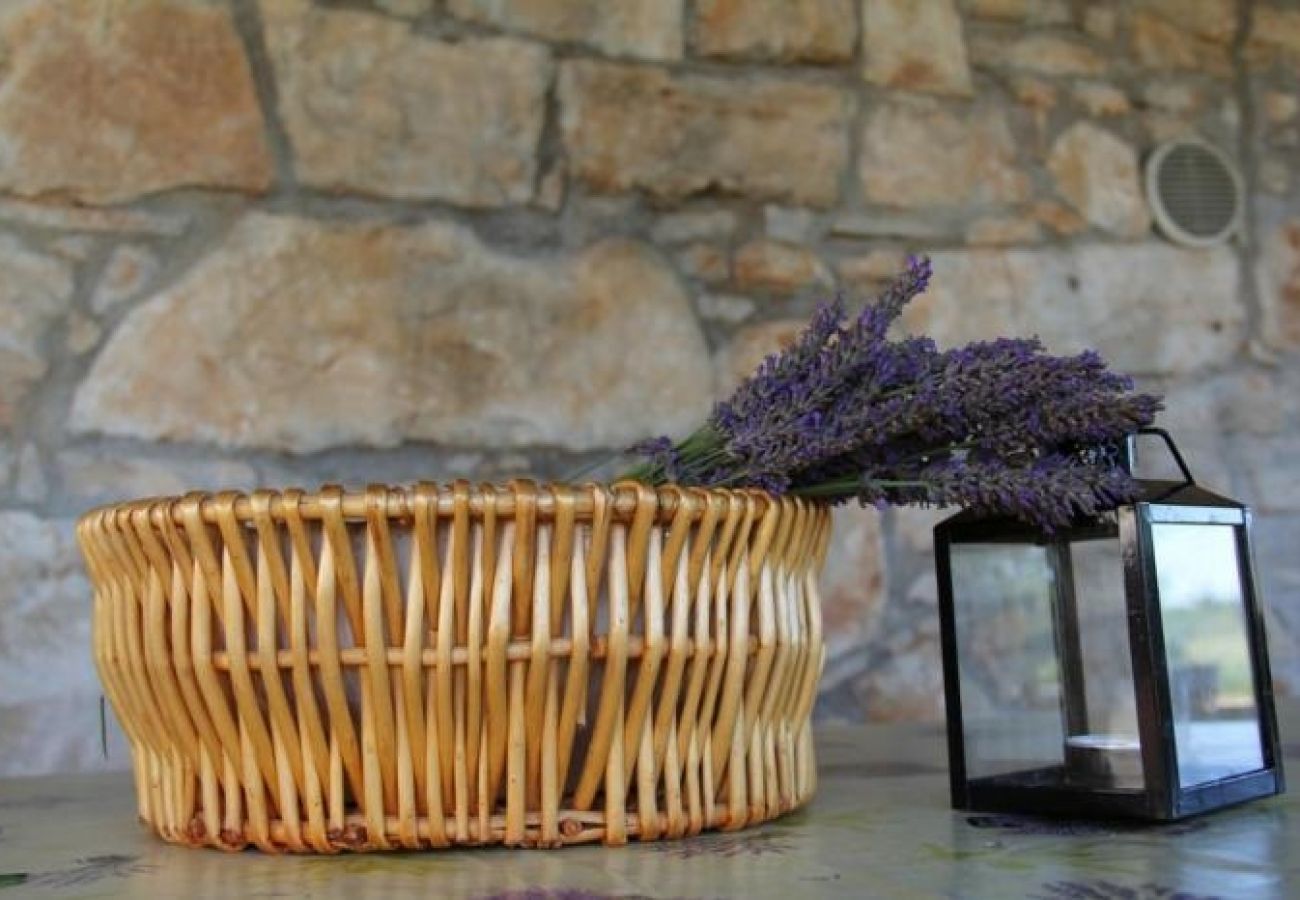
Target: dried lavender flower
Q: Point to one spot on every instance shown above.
(845, 412)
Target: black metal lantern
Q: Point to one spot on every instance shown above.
(1115, 668)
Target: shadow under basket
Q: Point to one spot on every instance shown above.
(444, 665)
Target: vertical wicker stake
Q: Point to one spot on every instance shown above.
(440, 666)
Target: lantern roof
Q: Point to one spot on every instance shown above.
(971, 523)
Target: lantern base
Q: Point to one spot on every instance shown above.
(1048, 791)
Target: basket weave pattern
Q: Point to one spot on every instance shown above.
(452, 665)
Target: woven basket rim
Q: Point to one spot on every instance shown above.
(623, 498)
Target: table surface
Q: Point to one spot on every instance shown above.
(880, 826)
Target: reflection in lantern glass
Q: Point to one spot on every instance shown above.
(1207, 648)
(1010, 679)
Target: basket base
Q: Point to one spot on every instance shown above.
(575, 828)
(203, 813)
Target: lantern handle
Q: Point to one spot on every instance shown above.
(1173, 451)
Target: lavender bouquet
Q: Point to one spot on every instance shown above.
(847, 412)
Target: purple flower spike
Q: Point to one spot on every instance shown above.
(845, 412)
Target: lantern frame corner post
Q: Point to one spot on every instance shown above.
(1150, 675)
(1257, 634)
(958, 786)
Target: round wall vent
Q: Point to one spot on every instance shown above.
(1195, 192)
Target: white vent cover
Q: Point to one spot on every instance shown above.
(1195, 192)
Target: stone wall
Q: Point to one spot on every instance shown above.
(285, 243)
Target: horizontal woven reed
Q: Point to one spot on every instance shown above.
(456, 665)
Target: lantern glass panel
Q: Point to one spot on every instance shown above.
(1207, 649)
(1004, 599)
(1103, 749)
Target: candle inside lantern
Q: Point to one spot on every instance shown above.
(1104, 760)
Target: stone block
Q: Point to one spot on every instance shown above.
(785, 31)
(675, 135)
(1150, 308)
(1049, 54)
(372, 107)
(704, 262)
(651, 29)
(128, 270)
(1098, 173)
(1279, 281)
(778, 267)
(915, 45)
(1101, 99)
(108, 101)
(34, 293)
(920, 154)
(694, 225)
(296, 334)
(1162, 45)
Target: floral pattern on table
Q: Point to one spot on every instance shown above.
(762, 842)
(1106, 890)
(83, 872)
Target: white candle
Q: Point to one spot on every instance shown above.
(1104, 760)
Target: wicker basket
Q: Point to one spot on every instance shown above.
(450, 665)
